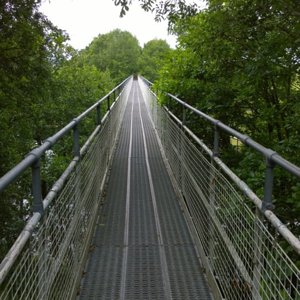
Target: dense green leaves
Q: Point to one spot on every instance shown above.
(240, 61)
(174, 10)
(116, 52)
(26, 42)
(153, 56)
(43, 86)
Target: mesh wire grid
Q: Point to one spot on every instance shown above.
(244, 257)
(48, 265)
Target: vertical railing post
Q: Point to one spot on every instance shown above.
(108, 103)
(36, 187)
(257, 255)
(167, 126)
(38, 207)
(182, 161)
(216, 152)
(99, 114)
(212, 196)
(259, 237)
(76, 143)
(268, 187)
(183, 117)
(77, 191)
(109, 130)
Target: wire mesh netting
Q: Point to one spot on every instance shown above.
(50, 264)
(241, 253)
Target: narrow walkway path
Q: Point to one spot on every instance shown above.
(142, 248)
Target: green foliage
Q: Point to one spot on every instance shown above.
(239, 61)
(43, 86)
(116, 52)
(27, 48)
(153, 55)
(170, 9)
(78, 87)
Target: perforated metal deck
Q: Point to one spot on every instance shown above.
(142, 248)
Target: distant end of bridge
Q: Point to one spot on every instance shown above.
(146, 210)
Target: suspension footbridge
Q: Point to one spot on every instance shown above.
(146, 210)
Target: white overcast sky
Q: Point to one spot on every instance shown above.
(85, 19)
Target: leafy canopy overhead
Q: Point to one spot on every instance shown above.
(170, 9)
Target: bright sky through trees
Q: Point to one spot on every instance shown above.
(85, 19)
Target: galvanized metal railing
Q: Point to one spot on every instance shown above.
(243, 260)
(47, 259)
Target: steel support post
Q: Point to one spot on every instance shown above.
(76, 143)
(109, 133)
(108, 103)
(38, 207)
(99, 114)
(268, 188)
(216, 142)
(212, 198)
(257, 255)
(182, 156)
(77, 192)
(36, 187)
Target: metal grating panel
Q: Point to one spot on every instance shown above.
(158, 254)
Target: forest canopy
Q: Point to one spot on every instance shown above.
(44, 84)
(238, 61)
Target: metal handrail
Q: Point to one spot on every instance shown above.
(272, 157)
(268, 153)
(31, 160)
(36, 153)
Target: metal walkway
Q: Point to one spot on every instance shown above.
(118, 222)
(142, 248)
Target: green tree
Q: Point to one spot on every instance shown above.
(153, 55)
(116, 52)
(28, 43)
(171, 9)
(75, 87)
(239, 61)
(43, 85)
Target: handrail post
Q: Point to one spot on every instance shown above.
(99, 116)
(108, 103)
(39, 208)
(212, 197)
(76, 143)
(182, 154)
(109, 127)
(36, 187)
(216, 151)
(268, 187)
